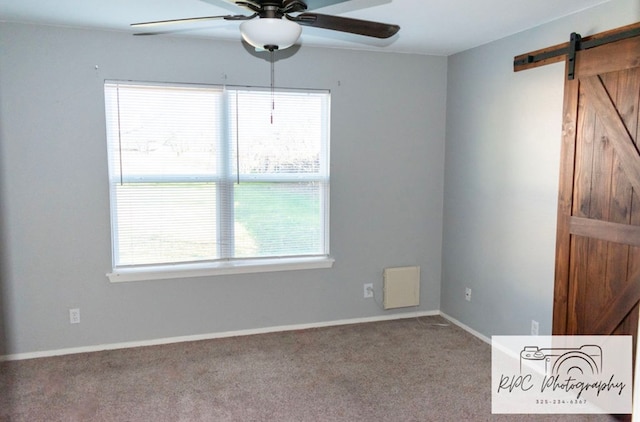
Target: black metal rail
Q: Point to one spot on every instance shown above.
(576, 43)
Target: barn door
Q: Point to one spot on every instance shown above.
(597, 285)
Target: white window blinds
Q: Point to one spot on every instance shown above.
(205, 173)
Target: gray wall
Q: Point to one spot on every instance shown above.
(501, 176)
(387, 147)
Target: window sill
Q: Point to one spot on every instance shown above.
(162, 272)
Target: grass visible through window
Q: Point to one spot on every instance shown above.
(277, 216)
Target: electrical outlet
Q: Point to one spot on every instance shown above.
(74, 316)
(534, 327)
(467, 294)
(368, 290)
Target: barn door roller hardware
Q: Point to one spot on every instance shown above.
(576, 43)
(574, 46)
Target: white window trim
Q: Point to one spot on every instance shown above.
(225, 266)
(162, 272)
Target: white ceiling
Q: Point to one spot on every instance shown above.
(439, 27)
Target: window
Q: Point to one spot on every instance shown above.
(209, 179)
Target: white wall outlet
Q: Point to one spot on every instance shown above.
(534, 327)
(467, 294)
(74, 316)
(368, 290)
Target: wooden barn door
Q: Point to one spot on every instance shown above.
(597, 285)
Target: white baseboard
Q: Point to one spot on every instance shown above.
(156, 342)
(466, 328)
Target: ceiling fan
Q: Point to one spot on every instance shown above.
(276, 25)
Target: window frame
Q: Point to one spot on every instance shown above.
(225, 264)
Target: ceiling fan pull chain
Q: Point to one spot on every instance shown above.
(237, 139)
(273, 101)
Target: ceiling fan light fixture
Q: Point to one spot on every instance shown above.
(270, 33)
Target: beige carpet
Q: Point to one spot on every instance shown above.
(406, 370)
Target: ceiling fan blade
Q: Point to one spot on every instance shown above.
(186, 20)
(317, 4)
(167, 31)
(353, 26)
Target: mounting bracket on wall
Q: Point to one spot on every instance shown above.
(576, 43)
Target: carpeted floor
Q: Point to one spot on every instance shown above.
(406, 370)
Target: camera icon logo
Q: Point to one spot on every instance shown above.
(583, 360)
